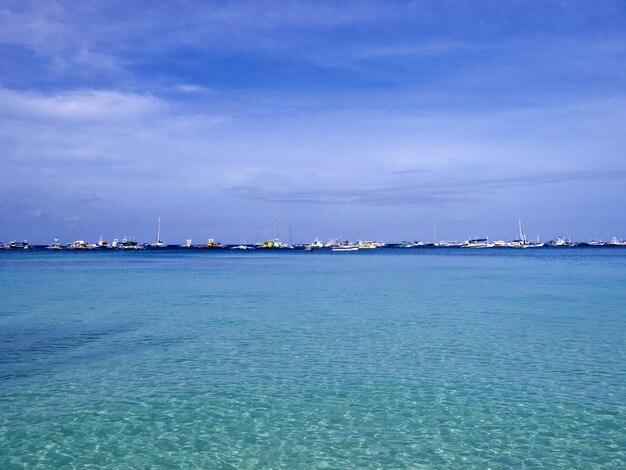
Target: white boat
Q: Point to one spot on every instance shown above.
(317, 243)
(129, 244)
(80, 245)
(522, 241)
(345, 248)
(159, 243)
(448, 244)
(343, 245)
(478, 243)
(615, 242)
(369, 244)
(15, 245)
(101, 243)
(56, 245)
(187, 244)
(275, 244)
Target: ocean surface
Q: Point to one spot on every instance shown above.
(425, 358)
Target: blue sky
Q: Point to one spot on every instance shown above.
(353, 119)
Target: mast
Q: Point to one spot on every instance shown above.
(158, 237)
(522, 237)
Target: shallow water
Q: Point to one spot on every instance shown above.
(386, 359)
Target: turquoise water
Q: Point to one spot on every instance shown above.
(386, 359)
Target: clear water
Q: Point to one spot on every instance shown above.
(385, 359)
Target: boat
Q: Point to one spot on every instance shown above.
(212, 244)
(343, 245)
(101, 243)
(242, 247)
(369, 244)
(478, 243)
(56, 245)
(317, 243)
(187, 244)
(615, 242)
(158, 243)
(448, 244)
(275, 244)
(560, 241)
(129, 244)
(80, 245)
(345, 248)
(522, 241)
(15, 245)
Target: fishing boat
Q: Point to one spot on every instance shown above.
(187, 244)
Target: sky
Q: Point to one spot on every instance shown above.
(392, 120)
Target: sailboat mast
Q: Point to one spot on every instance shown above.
(158, 237)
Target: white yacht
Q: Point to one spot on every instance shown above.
(478, 243)
(159, 243)
(522, 241)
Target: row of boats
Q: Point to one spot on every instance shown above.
(333, 245)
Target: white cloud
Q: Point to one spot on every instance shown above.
(98, 105)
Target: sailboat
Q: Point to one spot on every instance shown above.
(159, 243)
(523, 242)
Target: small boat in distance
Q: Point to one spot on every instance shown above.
(345, 248)
(80, 245)
(129, 244)
(15, 245)
(56, 245)
(102, 243)
(212, 244)
(478, 243)
(159, 243)
(187, 244)
(343, 245)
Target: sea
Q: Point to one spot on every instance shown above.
(389, 358)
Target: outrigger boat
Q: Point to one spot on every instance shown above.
(56, 245)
